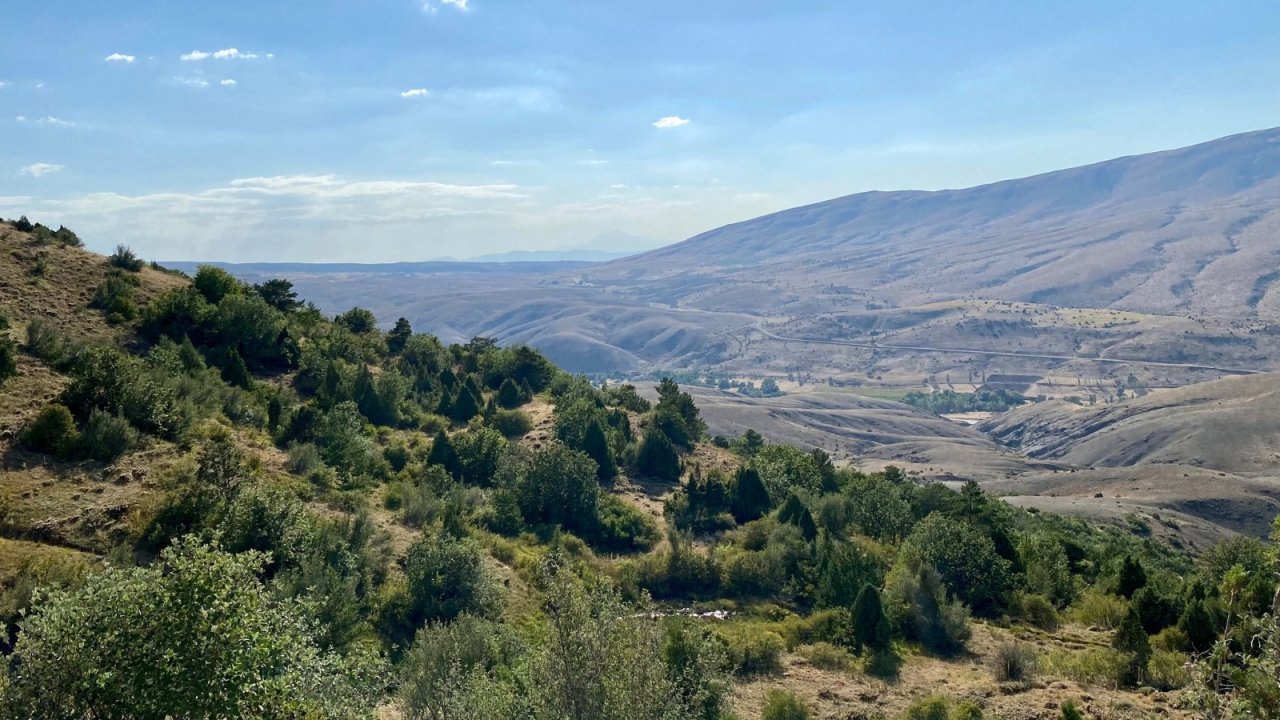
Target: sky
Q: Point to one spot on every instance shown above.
(386, 130)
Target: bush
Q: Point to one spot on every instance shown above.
(918, 607)
(1071, 711)
(1098, 609)
(106, 437)
(825, 656)
(782, 705)
(447, 578)
(45, 342)
(1097, 666)
(1167, 670)
(1014, 662)
(125, 259)
(511, 423)
(753, 652)
(657, 457)
(930, 708)
(1037, 611)
(52, 432)
(114, 297)
(624, 527)
(8, 358)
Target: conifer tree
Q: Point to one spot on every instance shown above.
(750, 497)
(236, 372)
(465, 406)
(398, 336)
(1132, 639)
(657, 457)
(1132, 577)
(509, 395)
(443, 454)
(596, 445)
(794, 512)
(870, 624)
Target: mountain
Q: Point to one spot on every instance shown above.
(1168, 259)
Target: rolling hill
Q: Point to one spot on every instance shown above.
(1174, 255)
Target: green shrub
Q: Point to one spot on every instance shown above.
(125, 259)
(657, 457)
(115, 297)
(1167, 670)
(1105, 667)
(8, 358)
(1014, 662)
(623, 527)
(916, 602)
(1037, 611)
(782, 705)
(52, 432)
(931, 708)
(1098, 609)
(44, 341)
(752, 651)
(511, 423)
(447, 578)
(825, 656)
(106, 437)
(1071, 711)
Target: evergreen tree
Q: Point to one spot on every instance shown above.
(794, 512)
(8, 359)
(235, 372)
(526, 390)
(445, 406)
(750, 498)
(596, 445)
(1132, 577)
(465, 406)
(509, 395)
(1132, 639)
(657, 457)
(443, 454)
(448, 379)
(1197, 624)
(870, 624)
(398, 336)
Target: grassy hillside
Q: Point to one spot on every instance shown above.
(219, 502)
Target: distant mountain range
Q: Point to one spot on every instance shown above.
(1182, 248)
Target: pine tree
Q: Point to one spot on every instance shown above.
(750, 497)
(870, 624)
(657, 457)
(445, 406)
(443, 454)
(794, 512)
(398, 336)
(509, 395)
(1196, 623)
(465, 406)
(236, 372)
(526, 390)
(1131, 638)
(1132, 577)
(596, 445)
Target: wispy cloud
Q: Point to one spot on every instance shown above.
(414, 92)
(119, 58)
(46, 120)
(670, 121)
(593, 162)
(40, 169)
(192, 81)
(228, 83)
(3, 84)
(224, 54)
(431, 6)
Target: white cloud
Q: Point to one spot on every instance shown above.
(46, 120)
(192, 81)
(431, 6)
(593, 162)
(228, 83)
(670, 121)
(40, 169)
(3, 84)
(224, 54)
(414, 92)
(120, 58)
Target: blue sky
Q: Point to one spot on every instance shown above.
(377, 130)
